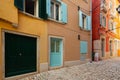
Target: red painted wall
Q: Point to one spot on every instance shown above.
(95, 19)
(96, 27)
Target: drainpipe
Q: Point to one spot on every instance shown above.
(91, 29)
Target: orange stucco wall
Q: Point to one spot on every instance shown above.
(70, 31)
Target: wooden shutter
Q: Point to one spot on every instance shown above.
(83, 47)
(19, 4)
(89, 22)
(48, 7)
(42, 9)
(63, 12)
(80, 19)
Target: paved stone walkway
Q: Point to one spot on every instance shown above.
(102, 70)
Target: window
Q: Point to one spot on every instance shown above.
(110, 25)
(52, 10)
(84, 21)
(84, 17)
(110, 5)
(27, 6)
(55, 10)
(102, 20)
(34, 7)
(30, 6)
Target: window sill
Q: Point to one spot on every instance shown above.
(86, 1)
(60, 22)
(84, 29)
(30, 15)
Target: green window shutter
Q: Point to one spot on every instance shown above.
(63, 12)
(80, 19)
(83, 47)
(42, 9)
(19, 4)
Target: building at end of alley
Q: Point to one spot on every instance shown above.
(40, 35)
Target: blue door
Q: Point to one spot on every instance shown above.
(56, 52)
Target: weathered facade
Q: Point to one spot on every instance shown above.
(72, 33)
(117, 21)
(40, 35)
(21, 35)
(105, 37)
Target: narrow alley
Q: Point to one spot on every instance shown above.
(102, 70)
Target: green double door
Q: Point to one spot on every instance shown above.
(20, 54)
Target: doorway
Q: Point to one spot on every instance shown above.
(103, 47)
(56, 52)
(111, 53)
(20, 54)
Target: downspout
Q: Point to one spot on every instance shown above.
(91, 28)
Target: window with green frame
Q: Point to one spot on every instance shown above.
(34, 7)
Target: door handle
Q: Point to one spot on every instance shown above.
(20, 54)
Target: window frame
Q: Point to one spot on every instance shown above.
(102, 20)
(84, 21)
(36, 8)
(53, 16)
(86, 1)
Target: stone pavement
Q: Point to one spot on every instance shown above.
(102, 70)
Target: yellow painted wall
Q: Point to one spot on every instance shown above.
(27, 25)
(117, 20)
(8, 11)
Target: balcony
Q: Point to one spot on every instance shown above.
(103, 7)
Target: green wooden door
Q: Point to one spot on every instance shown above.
(20, 54)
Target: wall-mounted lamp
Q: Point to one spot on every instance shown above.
(78, 8)
(78, 37)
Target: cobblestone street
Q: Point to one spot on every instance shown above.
(102, 70)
